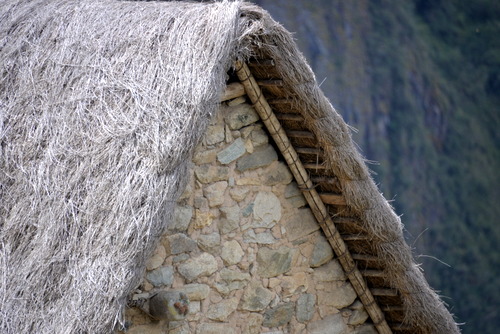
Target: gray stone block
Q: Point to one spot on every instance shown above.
(301, 224)
(230, 275)
(163, 276)
(230, 219)
(239, 193)
(222, 310)
(180, 243)
(279, 315)
(322, 252)
(240, 116)
(256, 297)
(209, 174)
(294, 195)
(339, 297)
(264, 238)
(196, 291)
(182, 218)
(214, 134)
(252, 324)
(277, 173)
(261, 157)
(292, 190)
(273, 262)
(305, 307)
(204, 156)
(297, 202)
(215, 193)
(232, 152)
(331, 324)
(358, 317)
(224, 288)
(266, 210)
(231, 252)
(180, 258)
(209, 242)
(202, 265)
(259, 137)
(332, 271)
(215, 329)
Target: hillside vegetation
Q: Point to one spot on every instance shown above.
(420, 80)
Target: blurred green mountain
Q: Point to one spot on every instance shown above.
(420, 80)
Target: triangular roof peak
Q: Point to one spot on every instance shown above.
(356, 241)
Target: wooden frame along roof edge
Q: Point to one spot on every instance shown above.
(312, 197)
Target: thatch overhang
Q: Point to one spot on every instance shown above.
(101, 105)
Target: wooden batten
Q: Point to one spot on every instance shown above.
(261, 63)
(309, 150)
(290, 117)
(354, 237)
(385, 292)
(270, 83)
(313, 199)
(314, 166)
(232, 91)
(373, 273)
(393, 308)
(333, 199)
(365, 257)
(300, 134)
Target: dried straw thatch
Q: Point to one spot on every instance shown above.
(101, 105)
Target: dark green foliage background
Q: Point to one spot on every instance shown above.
(420, 80)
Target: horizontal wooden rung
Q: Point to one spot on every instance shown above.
(300, 134)
(401, 327)
(270, 83)
(309, 150)
(261, 63)
(314, 166)
(364, 257)
(372, 273)
(232, 91)
(393, 308)
(334, 199)
(289, 117)
(384, 292)
(354, 237)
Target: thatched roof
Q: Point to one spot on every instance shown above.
(101, 105)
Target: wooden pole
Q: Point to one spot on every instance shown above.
(313, 199)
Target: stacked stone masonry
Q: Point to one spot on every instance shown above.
(245, 248)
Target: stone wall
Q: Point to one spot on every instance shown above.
(244, 246)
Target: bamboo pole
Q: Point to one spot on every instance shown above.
(317, 206)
